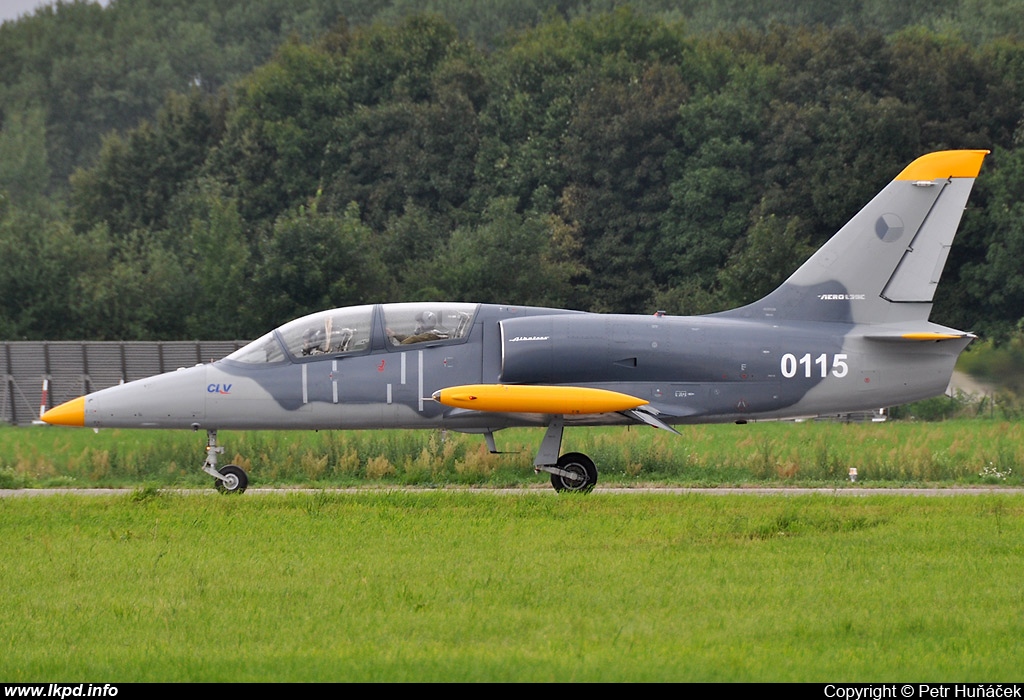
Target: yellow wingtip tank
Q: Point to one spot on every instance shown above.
(565, 400)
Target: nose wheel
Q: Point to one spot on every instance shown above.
(234, 480)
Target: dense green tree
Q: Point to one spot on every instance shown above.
(764, 260)
(313, 261)
(208, 235)
(42, 258)
(509, 258)
(397, 62)
(713, 176)
(411, 244)
(99, 69)
(615, 152)
(279, 132)
(949, 84)
(60, 60)
(411, 136)
(401, 154)
(130, 289)
(615, 158)
(139, 174)
(24, 172)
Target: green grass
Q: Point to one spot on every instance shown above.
(461, 586)
(901, 452)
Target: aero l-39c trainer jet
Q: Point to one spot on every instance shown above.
(848, 331)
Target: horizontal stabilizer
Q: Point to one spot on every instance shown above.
(512, 398)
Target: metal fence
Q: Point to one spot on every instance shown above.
(71, 369)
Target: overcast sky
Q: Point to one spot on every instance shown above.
(13, 9)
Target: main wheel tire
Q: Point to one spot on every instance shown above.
(584, 473)
(235, 480)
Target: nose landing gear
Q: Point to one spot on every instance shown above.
(228, 479)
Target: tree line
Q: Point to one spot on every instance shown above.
(611, 160)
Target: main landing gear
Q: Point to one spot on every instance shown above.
(227, 479)
(572, 471)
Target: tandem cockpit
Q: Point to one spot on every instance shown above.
(355, 330)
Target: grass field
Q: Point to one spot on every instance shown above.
(901, 452)
(478, 586)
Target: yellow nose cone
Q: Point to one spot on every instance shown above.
(70, 413)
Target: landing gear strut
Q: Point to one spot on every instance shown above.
(228, 479)
(572, 471)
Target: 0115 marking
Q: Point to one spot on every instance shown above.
(819, 366)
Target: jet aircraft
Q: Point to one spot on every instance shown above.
(848, 331)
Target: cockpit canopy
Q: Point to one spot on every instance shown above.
(350, 330)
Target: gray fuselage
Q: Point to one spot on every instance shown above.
(690, 369)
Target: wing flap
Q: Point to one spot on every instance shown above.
(648, 415)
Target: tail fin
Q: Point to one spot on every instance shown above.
(884, 264)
